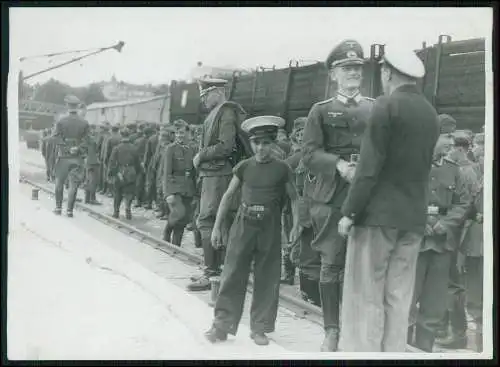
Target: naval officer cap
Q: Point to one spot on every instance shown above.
(348, 52)
(208, 84)
(403, 60)
(262, 126)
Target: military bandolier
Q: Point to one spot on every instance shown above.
(333, 131)
(147, 163)
(217, 146)
(124, 164)
(71, 137)
(92, 167)
(140, 144)
(301, 253)
(109, 143)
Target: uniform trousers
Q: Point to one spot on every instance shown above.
(309, 267)
(123, 192)
(212, 190)
(378, 288)
(140, 188)
(430, 294)
(250, 241)
(474, 291)
(92, 179)
(173, 233)
(69, 170)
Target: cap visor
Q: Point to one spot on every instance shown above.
(345, 62)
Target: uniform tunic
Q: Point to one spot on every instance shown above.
(447, 193)
(140, 144)
(92, 164)
(262, 184)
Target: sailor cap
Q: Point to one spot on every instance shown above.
(404, 60)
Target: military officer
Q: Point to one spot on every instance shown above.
(301, 253)
(214, 165)
(178, 183)
(71, 137)
(332, 135)
(448, 203)
(384, 233)
(124, 164)
(254, 236)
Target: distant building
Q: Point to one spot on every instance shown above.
(121, 91)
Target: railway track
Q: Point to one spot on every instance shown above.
(301, 308)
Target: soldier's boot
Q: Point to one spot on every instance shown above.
(167, 233)
(200, 284)
(214, 334)
(458, 320)
(288, 272)
(177, 236)
(309, 289)
(259, 338)
(116, 207)
(57, 211)
(128, 209)
(330, 303)
(424, 339)
(87, 197)
(59, 192)
(93, 199)
(197, 238)
(71, 202)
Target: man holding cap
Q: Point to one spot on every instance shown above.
(387, 204)
(332, 137)
(72, 138)
(255, 235)
(214, 164)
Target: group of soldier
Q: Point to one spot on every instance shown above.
(384, 222)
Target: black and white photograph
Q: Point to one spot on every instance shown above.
(249, 183)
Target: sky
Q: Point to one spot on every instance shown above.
(164, 44)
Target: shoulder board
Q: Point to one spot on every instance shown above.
(323, 102)
(449, 160)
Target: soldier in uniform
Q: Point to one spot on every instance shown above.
(147, 159)
(45, 153)
(124, 164)
(132, 127)
(105, 132)
(178, 183)
(157, 166)
(387, 204)
(214, 164)
(71, 137)
(92, 164)
(109, 143)
(332, 134)
(448, 203)
(140, 144)
(254, 236)
(301, 253)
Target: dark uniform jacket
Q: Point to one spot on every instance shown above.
(390, 187)
(92, 157)
(449, 196)
(112, 141)
(178, 170)
(150, 150)
(218, 139)
(100, 142)
(140, 144)
(333, 131)
(124, 161)
(71, 131)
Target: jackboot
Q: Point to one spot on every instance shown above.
(128, 212)
(330, 303)
(93, 199)
(424, 339)
(87, 197)
(309, 289)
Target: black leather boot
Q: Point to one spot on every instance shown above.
(424, 339)
(309, 289)
(330, 303)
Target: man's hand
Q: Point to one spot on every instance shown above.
(461, 263)
(346, 170)
(439, 228)
(295, 233)
(344, 226)
(428, 230)
(216, 238)
(196, 160)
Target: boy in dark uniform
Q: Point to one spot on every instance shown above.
(124, 165)
(178, 183)
(254, 237)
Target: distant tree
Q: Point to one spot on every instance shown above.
(93, 94)
(54, 91)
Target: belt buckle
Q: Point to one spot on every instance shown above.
(432, 210)
(354, 158)
(258, 208)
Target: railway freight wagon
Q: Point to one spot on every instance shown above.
(153, 109)
(454, 83)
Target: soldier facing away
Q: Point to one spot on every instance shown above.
(71, 137)
(254, 237)
(332, 136)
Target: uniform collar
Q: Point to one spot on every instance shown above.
(438, 162)
(345, 99)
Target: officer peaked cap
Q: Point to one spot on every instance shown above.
(208, 84)
(405, 61)
(348, 52)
